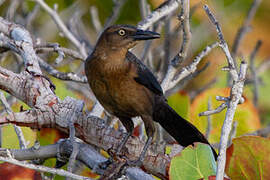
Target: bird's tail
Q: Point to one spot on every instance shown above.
(180, 129)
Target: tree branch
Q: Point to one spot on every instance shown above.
(63, 27)
(235, 96)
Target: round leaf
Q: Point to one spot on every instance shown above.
(194, 162)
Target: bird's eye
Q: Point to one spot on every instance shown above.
(121, 32)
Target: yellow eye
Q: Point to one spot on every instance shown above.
(121, 32)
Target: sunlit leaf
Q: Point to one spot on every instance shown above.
(248, 158)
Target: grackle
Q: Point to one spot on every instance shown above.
(126, 88)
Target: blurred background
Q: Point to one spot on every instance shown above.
(86, 20)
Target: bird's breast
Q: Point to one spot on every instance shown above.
(117, 91)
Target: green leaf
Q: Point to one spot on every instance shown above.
(10, 138)
(194, 162)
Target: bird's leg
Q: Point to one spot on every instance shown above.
(150, 130)
(124, 141)
(129, 125)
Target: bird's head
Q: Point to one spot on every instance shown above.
(119, 36)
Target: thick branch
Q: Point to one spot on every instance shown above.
(47, 110)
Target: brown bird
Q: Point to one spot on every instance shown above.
(126, 88)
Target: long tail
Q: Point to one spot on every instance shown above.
(180, 129)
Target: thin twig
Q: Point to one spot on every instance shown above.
(95, 19)
(170, 80)
(254, 73)
(194, 93)
(223, 44)
(232, 133)
(264, 132)
(184, 20)
(50, 48)
(17, 129)
(31, 16)
(215, 111)
(60, 75)
(209, 119)
(14, 5)
(63, 27)
(242, 31)
(143, 8)
(40, 168)
(167, 44)
(118, 4)
(264, 66)
(165, 9)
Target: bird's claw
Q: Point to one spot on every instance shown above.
(103, 165)
(137, 163)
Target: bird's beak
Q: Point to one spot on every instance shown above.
(145, 35)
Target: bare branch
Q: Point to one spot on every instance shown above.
(12, 9)
(242, 31)
(63, 27)
(60, 75)
(165, 9)
(254, 73)
(184, 19)
(235, 96)
(209, 123)
(95, 19)
(232, 133)
(215, 111)
(170, 81)
(143, 8)
(118, 4)
(31, 16)
(50, 47)
(40, 168)
(221, 98)
(223, 44)
(19, 40)
(265, 65)
(264, 132)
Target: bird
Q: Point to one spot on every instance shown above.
(127, 88)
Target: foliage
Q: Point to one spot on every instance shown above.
(248, 158)
(193, 163)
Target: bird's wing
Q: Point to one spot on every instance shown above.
(145, 76)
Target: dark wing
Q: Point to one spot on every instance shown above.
(145, 76)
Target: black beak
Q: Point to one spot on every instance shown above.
(145, 35)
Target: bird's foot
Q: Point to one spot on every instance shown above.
(104, 165)
(137, 163)
(114, 157)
